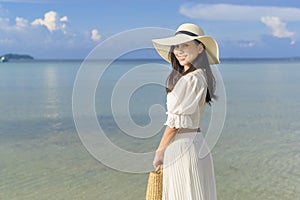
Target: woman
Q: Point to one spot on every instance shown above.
(190, 85)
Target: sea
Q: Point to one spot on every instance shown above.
(43, 154)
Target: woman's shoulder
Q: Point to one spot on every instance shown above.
(191, 80)
(198, 72)
(198, 75)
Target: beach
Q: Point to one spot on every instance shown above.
(42, 157)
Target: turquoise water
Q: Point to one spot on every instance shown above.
(42, 157)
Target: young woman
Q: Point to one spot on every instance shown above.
(186, 174)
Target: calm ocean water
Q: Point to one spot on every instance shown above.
(42, 157)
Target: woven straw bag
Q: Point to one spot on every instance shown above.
(154, 187)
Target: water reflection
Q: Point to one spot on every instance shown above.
(51, 92)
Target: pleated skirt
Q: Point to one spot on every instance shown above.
(187, 175)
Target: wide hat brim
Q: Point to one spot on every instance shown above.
(163, 46)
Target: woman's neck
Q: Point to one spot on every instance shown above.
(190, 69)
(186, 67)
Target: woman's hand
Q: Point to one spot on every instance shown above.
(158, 159)
(167, 138)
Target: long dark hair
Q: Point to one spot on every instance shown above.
(201, 62)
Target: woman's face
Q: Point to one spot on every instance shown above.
(187, 52)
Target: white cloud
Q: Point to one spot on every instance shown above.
(271, 16)
(95, 36)
(278, 28)
(238, 12)
(64, 19)
(21, 23)
(51, 22)
(52, 35)
(246, 44)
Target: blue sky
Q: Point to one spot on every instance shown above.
(68, 29)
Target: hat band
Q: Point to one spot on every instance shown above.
(186, 33)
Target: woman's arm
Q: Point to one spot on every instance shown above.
(167, 138)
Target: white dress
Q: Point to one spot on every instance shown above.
(187, 175)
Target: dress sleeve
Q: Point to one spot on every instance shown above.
(184, 100)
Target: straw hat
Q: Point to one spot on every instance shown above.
(185, 33)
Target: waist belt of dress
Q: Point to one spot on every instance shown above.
(188, 130)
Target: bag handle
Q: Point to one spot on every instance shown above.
(158, 168)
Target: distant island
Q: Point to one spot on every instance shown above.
(10, 56)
